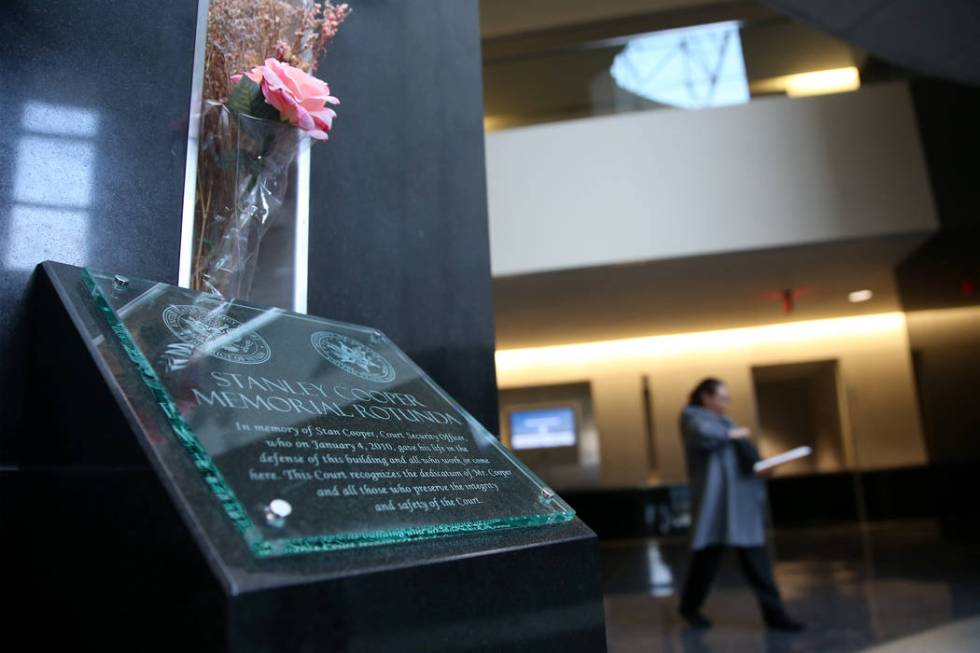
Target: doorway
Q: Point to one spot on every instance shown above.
(798, 404)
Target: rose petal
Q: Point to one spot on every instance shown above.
(300, 98)
(324, 118)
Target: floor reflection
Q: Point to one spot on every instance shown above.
(854, 590)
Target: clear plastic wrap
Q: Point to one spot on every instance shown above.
(243, 173)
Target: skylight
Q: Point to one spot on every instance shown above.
(691, 67)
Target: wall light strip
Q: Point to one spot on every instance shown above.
(822, 82)
(817, 82)
(699, 342)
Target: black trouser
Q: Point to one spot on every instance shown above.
(755, 564)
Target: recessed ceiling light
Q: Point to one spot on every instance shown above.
(859, 296)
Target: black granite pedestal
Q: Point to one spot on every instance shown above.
(123, 553)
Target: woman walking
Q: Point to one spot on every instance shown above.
(728, 502)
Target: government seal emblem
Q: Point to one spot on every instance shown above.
(353, 357)
(216, 334)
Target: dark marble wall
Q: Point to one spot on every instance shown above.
(94, 111)
(398, 210)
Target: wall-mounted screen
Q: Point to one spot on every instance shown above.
(543, 428)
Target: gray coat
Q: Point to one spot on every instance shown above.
(728, 505)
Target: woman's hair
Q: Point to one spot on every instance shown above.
(708, 386)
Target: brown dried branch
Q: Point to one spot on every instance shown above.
(244, 33)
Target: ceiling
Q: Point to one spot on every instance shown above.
(697, 293)
(934, 38)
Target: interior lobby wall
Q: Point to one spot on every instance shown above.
(881, 422)
(946, 347)
(664, 184)
(939, 282)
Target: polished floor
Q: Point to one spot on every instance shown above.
(895, 587)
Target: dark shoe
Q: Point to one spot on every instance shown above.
(783, 622)
(695, 619)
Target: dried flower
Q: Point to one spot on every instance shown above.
(283, 51)
(244, 33)
(242, 164)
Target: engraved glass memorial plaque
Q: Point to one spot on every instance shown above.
(312, 434)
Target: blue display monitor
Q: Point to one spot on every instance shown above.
(543, 428)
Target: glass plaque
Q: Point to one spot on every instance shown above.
(313, 434)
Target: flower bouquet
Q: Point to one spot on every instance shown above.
(262, 104)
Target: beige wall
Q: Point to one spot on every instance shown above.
(656, 185)
(880, 415)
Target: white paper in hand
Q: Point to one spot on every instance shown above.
(783, 458)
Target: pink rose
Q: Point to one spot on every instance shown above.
(300, 98)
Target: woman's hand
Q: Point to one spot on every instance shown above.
(739, 432)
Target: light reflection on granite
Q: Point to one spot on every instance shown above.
(54, 170)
